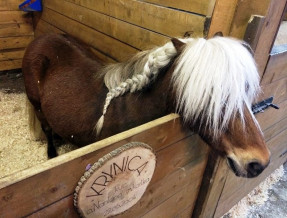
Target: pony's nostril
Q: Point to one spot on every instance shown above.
(254, 169)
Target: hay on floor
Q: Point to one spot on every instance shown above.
(17, 150)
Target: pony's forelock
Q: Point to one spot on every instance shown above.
(215, 80)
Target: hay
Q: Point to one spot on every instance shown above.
(256, 197)
(17, 150)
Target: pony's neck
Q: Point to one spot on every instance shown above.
(135, 74)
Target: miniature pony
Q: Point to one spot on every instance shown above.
(210, 83)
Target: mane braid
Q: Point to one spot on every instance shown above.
(135, 74)
(214, 80)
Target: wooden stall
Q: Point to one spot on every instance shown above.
(16, 32)
(47, 190)
(189, 179)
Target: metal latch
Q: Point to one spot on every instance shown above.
(261, 106)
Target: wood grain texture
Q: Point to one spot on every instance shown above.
(155, 194)
(222, 17)
(16, 29)
(11, 5)
(10, 64)
(195, 6)
(244, 10)
(14, 17)
(271, 117)
(15, 42)
(12, 54)
(211, 187)
(253, 30)
(276, 68)
(133, 35)
(268, 33)
(277, 89)
(169, 22)
(55, 179)
(108, 45)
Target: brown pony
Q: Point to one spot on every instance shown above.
(210, 83)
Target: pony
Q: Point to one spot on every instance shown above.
(210, 83)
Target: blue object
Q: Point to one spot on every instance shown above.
(31, 5)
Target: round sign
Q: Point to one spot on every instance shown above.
(116, 182)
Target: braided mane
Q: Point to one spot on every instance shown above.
(211, 76)
(135, 74)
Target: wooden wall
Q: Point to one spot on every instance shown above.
(117, 29)
(16, 32)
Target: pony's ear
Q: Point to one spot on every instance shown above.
(177, 44)
(218, 34)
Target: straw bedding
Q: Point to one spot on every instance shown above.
(17, 150)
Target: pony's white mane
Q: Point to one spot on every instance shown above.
(214, 79)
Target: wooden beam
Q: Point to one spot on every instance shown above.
(222, 17)
(211, 188)
(268, 33)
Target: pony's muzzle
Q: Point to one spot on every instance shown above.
(254, 168)
(250, 170)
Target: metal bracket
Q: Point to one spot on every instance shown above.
(261, 106)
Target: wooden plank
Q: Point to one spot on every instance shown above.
(15, 42)
(43, 28)
(244, 10)
(11, 54)
(55, 179)
(11, 5)
(135, 36)
(236, 188)
(11, 64)
(211, 187)
(278, 89)
(170, 184)
(195, 6)
(274, 130)
(97, 40)
(271, 117)
(155, 194)
(178, 201)
(14, 17)
(253, 30)
(169, 22)
(222, 17)
(268, 33)
(186, 213)
(62, 208)
(276, 68)
(16, 29)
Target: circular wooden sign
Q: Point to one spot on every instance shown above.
(116, 182)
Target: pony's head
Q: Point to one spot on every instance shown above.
(215, 82)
